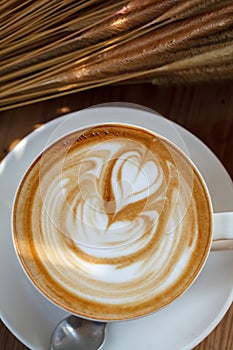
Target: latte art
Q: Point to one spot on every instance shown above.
(112, 195)
(112, 222)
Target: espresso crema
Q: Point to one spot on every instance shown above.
(112, 222)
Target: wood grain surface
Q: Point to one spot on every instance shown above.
(205, 110)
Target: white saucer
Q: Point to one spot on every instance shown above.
(180, 326)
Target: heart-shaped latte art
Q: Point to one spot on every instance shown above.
(112, 194)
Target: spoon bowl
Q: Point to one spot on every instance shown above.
(74, 333)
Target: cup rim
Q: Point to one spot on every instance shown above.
(177, 148)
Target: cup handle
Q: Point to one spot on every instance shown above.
(222, 231)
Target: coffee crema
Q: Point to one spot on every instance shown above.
(112, 222)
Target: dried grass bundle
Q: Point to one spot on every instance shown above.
(56, 47)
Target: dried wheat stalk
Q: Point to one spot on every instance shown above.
(57, 47)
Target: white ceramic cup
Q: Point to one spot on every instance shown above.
(222, 235)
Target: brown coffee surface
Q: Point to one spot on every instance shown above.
(112, 222)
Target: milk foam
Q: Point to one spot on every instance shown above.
(114, 221)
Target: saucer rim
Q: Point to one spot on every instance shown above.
(55, 122)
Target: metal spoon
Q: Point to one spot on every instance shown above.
(74, 333)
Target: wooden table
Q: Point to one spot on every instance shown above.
(206, 110)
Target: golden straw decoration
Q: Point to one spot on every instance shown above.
(57, 47)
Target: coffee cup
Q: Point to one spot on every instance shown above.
(113, 222)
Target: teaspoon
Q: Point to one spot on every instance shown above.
(74, 333)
